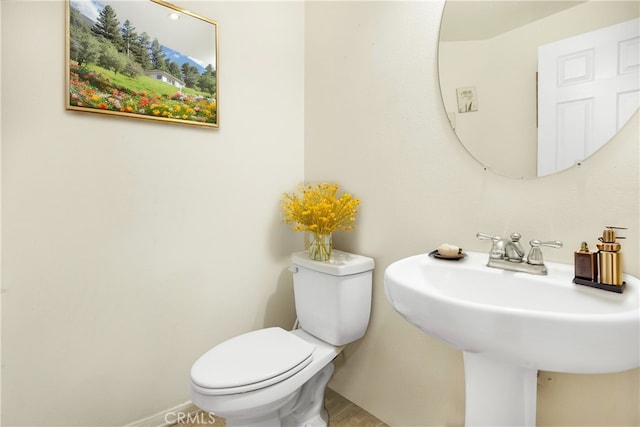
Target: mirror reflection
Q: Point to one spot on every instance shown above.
(526, 83)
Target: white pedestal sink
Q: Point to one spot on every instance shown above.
(509, 325)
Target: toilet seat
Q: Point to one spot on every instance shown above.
(251, 361)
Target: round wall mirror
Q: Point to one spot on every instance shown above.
(535, 87)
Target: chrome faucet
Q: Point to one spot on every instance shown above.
(513, 250)
(508, 254)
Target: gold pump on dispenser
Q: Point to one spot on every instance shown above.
(609, 257)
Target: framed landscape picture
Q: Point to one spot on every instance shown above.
(144, 59)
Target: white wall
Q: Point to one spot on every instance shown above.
(375, 123)
(131, 247)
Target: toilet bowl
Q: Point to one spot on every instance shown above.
(272, 377)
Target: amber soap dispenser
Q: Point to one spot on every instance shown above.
(586, 263)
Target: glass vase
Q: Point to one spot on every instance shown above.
(320, 247)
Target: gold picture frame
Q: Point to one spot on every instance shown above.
(123, 58)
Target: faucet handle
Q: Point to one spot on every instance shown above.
(497, 246)
(483, 236)
(535, 254)
(551, 244)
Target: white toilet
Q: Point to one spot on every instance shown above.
(272, 377)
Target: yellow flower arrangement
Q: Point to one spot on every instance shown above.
(318, 210)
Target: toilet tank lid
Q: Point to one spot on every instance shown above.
(340, 264)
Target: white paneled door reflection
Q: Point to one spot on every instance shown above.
(588, 88)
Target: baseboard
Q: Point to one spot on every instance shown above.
(167, 417)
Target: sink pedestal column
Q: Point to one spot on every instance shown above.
(498, 393)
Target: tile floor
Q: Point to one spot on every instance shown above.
(342, 413)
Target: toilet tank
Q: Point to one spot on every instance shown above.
(333, 299)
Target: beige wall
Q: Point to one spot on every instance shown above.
(374, 122)
(126, 243)
(131, 247)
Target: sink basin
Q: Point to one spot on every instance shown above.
(510, 325)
